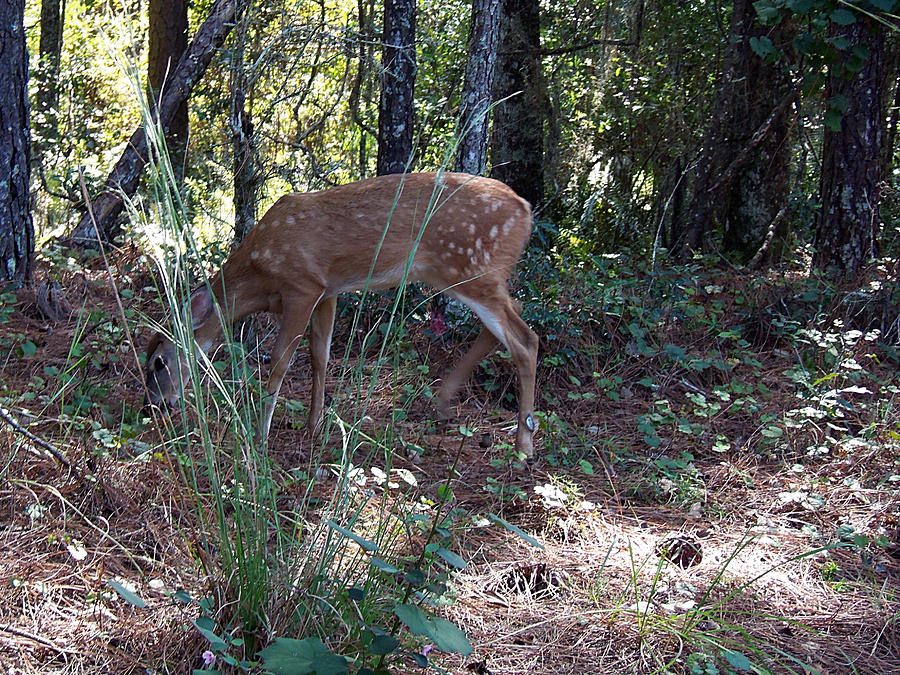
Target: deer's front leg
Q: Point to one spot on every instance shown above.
(320, 330)
(296, 311)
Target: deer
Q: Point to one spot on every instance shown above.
(460, 234)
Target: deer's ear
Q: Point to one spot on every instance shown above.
(201, 307)
(155, 339)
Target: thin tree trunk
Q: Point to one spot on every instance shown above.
(361, 91)
(126, 174)
(45, 120)
(168, 25)
(246, 174)
(517, 137)
(16, 228)
(396, 113)
(475, 104)
(847, 225)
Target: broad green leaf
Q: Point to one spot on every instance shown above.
(842, 16)
(216, 643)
(415, 577)
(447, 636)
(766, 11)
(516, 531)
(367, 545)
(127, 595)
(383, 566)
(182, 596)
(414, 618)
(762, 46)
(800, 6)
(452, 558)
(833, 120)
(383, 644)
(737, 660)
(287, 656)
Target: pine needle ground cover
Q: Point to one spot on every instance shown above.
(716, 488)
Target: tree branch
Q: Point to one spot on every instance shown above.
(757, 138)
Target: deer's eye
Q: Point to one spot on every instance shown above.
(159, 363)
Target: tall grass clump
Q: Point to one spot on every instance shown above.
(333, 572)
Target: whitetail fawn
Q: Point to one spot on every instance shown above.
(461, 234)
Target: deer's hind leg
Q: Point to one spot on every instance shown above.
(483, 345)
(500, 315)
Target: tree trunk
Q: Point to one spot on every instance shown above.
(760, 187)
(475, 104)
(16, 228)
(742, 176)
(847, 224)
(246, 174)
(45, 120)
(395, 112)
(361, 91)
(127, 172)
(168, 25)
(517, 137)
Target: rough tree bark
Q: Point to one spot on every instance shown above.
(45, 122)
(474, 113)
(395, 112)
(246, 174)
(16, 228)
(125, 175)
(517, 137)
(737, 191)
(847, 224)
(168, 25)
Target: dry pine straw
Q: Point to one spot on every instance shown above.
(56, 614)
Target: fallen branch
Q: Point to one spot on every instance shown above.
(52, 449)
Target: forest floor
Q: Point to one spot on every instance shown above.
(697, 523)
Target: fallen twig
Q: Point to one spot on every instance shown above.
(49, 447)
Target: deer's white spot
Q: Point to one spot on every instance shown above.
(254, 255)
(487, 257)
(478, 244)
(452, 271)
(493, 232)
(471, 228)
(290, 220)
(469, 252)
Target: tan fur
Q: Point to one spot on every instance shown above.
(311, 246)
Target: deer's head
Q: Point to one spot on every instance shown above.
(167, 368)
